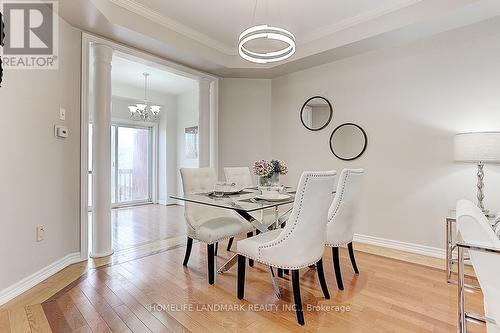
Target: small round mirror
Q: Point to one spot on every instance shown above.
(348, 142)
(316, 113)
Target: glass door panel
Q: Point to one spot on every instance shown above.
(130, 165)
(133, 164)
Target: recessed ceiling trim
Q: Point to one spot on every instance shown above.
(226, 49)
(355, 20)
(178, 27)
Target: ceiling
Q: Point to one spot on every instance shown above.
(128, 72)
(203, 34)
(220, 22)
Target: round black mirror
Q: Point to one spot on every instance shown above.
(348, 142)
(316, 113)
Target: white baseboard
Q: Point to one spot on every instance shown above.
(402, 246)
(162, 202)
(29, 282)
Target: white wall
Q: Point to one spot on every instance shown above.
(187, 116)
(410, 99)
(244, 122)
(39, 174)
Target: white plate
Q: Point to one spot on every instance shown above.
(233, 191)
(280, 197)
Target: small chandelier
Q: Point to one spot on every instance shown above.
(144, 111)
(267, 32)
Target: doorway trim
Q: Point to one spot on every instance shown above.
(150, 60)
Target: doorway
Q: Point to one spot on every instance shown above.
(145, 156)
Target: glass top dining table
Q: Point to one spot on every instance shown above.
(244, 201)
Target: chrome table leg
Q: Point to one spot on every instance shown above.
(449, 248)
(228, 264)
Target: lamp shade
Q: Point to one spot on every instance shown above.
(478, 147)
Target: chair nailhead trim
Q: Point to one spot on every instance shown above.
(218, 240)
(338, 244)
(283, 267)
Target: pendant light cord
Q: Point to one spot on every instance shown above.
(254, 12)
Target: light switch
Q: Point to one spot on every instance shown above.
(62, 114)
(40, 233)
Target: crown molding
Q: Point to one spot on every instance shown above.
(178, 27)
(354, 20)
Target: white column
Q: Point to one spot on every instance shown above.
(204, 123)
(101, 153)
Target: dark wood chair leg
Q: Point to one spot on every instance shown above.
(241, 276)
(336, 266)
(322, 280)
(296, 296)
(280, 272)
(189, 246)
(230, 243)
(211, 263)
(216, 248)
(250, 261)
(353, 259)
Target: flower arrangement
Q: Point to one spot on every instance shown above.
(262, 168)
(265, 168)
(279, 167)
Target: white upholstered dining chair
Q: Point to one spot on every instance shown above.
(476, 235)
(208, 224)
(301, 242)
(339, 230)
(241, 176)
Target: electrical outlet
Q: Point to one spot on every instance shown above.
(40, 233)
(62, 114)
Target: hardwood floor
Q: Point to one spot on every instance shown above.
(139, 225)
(156, 293)
(145, 288)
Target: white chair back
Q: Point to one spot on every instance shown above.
(200, 180)
(343, 210)
(302, 241)
(474, 228)
(241, 176)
